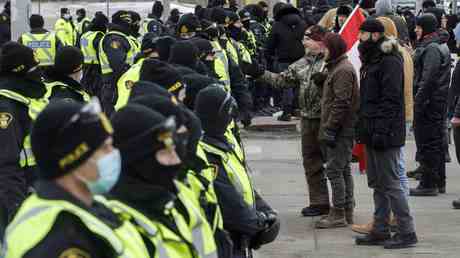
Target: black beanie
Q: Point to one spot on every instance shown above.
(144, 88)
(149, 42)
(195, 82)
(164, 45)
(184, 53)
(162, 74)
(157, 9)
(59, 145)
(188, 22)
(36, 21)
(65, 10)
(220, 16)
(68, 60)
(213, 107)
(204, 46)
(344, 10)
(428, 23)
(133, 134)
(16, 58)
(244, 15)
(163, 105)
(438, 13)
(99, 22)
(428, 4)
(372, 25)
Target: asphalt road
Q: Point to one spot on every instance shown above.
(278, 173)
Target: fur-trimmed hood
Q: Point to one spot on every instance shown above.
(389, 45)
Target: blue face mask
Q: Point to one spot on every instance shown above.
(109, 168)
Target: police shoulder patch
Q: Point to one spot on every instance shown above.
(5, 120)
(74, 253)
(115, 44)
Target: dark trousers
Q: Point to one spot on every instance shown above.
(313, 163)
(287, 99)
(383, 176)
(338, 171)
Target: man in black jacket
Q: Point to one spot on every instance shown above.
(285, 45)
(431, 83)
(381, 128)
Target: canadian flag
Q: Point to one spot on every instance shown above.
(350, 33)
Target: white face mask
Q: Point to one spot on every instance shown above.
(67, 16)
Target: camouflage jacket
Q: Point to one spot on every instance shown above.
(299, 75)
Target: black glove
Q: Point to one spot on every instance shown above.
(329, 138)
(269, 234)
(254, 69)
(319, 78)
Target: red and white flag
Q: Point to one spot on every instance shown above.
(350, 33)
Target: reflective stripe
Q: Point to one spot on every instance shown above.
(43, 44)
(50, 87)
(31, 213)
(26, 156)
(130, 55)
(87, 47)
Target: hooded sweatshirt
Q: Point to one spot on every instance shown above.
(385, 8)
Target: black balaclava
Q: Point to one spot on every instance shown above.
(99, 22)
(164, 45)
(195, 83)
(174, 15)
(215, 107)
(138, 135)
(235, 33)
(81, 14)
(157, 9)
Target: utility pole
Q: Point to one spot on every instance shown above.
(20, 12)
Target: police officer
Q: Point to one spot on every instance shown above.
(65, 29)
(63, 80)
(82, 23)
(153, 23)
(44, 43)
(5, 23)
(21, 99)
(150, 168)
(188, 26)
(77, 161)
(249, 227)
(117, 50)
(89, 45)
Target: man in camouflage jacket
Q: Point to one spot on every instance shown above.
(300, 74)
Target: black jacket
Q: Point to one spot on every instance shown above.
(431, 81)
(381, 117)
(15, 124)
(68, 233)
(68, 88)
(285, 39)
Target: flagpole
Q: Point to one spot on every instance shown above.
(348, 19)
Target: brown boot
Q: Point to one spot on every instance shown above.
(335, 219)
(349, 215)
(363, 228)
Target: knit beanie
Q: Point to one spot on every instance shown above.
(144, 88)
(68, 60)
(335, 44)
(195, 82)
(428, 4)
(164, 45)
(157, 9)
(316, 32)
(36, 21)
(65, 136)
(99, 22)
(184, 53)
(149, 42)
(163, 105)
(344, 10)
(122, 18)
(188, 23)
(64, 10)
(428, 23)
(16, 58)
(137, 133)
(219, 16)
(162, 74)
(372, 25)
(203, 45)
(214, 106)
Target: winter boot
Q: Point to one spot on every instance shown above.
(335, 219)
(373, 238)
(315, 210)
(424, 191)
(399, 241)
(456, 204)
(363, 228)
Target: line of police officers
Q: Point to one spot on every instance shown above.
(162, 178)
